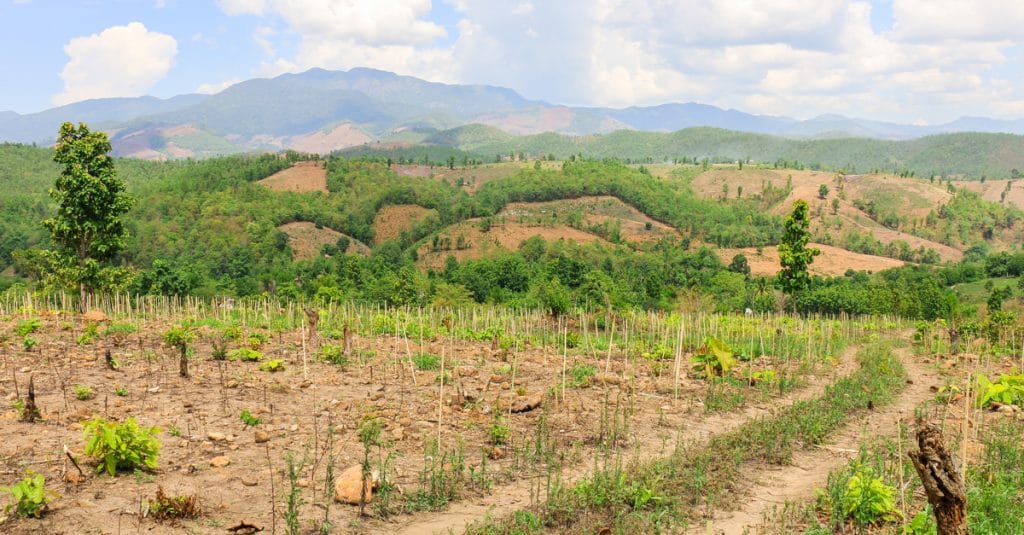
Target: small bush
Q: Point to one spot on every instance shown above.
(869, 500)
(582, 375)
(333, 354)
(248, 419)
(28, 343)
(121, 391)
(88, 335)
(426, 361)
(164, 507)
(83, 392)
(276, 365)
(27, 327)
(245, 354)
(499, 432)
(257, 339)
(121, 446)
(30, 496)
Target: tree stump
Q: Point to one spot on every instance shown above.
(31, 412)
(942, 481)
(312, 319)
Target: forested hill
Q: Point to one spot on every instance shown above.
(964, 154)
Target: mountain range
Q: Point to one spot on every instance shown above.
(322, 111)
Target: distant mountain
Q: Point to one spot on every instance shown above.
(320, 110)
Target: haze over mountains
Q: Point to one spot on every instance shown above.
(321, 111)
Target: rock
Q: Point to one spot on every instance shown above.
(605, 378)
(250, 482)
(350, 484)
(1006, 409)
(398, 433)
(261, 436)
(96, 316)
(528, 403)
(220, 461)
(496, 453)
(495, 378)
(216, 437)
(466, 371)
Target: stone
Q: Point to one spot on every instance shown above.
(216, 437)
(350, 484)
(261, 436)
(528, 403)
(220, 461)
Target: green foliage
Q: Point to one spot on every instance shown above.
(868, 500)
(582, 375)
(90, 203)
(426, 361)
(499, 432)
(923, 523)
(333, 354)
(994, 481)
(245, 354)
(121, 446)
(83, 392)
(89, 334)
(179, 336)
(248, 419)
(28, 326)
(29, 495)
(793, 252)
(1008, 390)
(28, 342)
(121, 391)
(275, 365)
(713, 359)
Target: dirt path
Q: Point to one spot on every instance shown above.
(810, 468)
(505, 499)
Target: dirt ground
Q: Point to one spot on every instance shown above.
(832, 261)
(208, 451)
(391, 220)
(306, 240)
(302, 177)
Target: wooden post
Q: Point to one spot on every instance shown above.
(943, 484)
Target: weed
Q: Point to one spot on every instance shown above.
(426, 361)
(582, 375)
(83, 392)
(30, 496)
(714, 358)
(245, 354)
(121, 446)
(993, 485)
(1009, 390)
(333, 354)
(121, 391)
(164, 507)
(257, 339)
(28, 342)
(276, 365)
(28, 326)
(293, 501)
(89, 334)
(499, 431)
(120, 329)
(248, 419)
(174, 431)
(440, 480)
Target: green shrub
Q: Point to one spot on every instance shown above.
(276, 365)
(28, 343)
(245, 354)
(333, 354)
(83, 392)
(30, 496)
(1009, 390)
(121, 391)
(88, 335)
(121, 446)
(27, 327)
(714, 358)
(257, 339)
(426, 361)
(582, 374)
(868, 500)
(248, 419)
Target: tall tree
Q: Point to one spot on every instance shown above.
(90, 202)
(794, 255)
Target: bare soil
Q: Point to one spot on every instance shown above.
(391, 220)
(832, 261)
(303, 177)
(306, 240)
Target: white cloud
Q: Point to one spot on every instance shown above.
(991, 20)
(120, 61)
(213, 88)
(242, 7)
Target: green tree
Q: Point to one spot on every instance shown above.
(822, 191)
(794, 255)
(90, 202)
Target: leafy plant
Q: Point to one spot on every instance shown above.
(245, 354)
(83, 392)
(28, 343)
(499, 431)
(333, 354)
(121, 391)
(248, 419)
(869, 500)
(164, 507)
(89, 334)
(426, 361)
(713, 359)
(1009, 390)
(30, 496)
(582, 374)
(257, 339)
(922, 524)
(28, 326)
(121, 446)
(276, 365)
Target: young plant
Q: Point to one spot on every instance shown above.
(868, 500)
(121, 391)
(245, 354)
(88, 335)
(276, 365)
(1009, 390)
(582, 375)
(30, 496)
(499, 431)
(164, 507)
(293, 501)
(83, 392)
(180, 337)
(27, 327)
(28, 342)
(713, 359)
(426, 361)
(333, 354)
(121, 446)
(248, 419)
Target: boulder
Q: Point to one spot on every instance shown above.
(350, 483)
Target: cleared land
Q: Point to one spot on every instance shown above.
(306, 240)
(832, 261)
(392, 220)
(303, 177)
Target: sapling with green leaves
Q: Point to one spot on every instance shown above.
(30, 497)
(180, 337)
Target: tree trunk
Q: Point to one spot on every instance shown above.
(312, 319)
(183, 363)
(31, 412)
(954, 341)
(942, 481)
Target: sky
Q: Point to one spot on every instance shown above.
(910, 61)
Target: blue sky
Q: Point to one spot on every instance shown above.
(925, 61)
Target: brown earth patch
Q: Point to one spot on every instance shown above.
(391, 220)
(992, 190)
(306, 240)
(303, 177)
(342, 136)
(503, 235)
(596, 210)
(832, 261)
